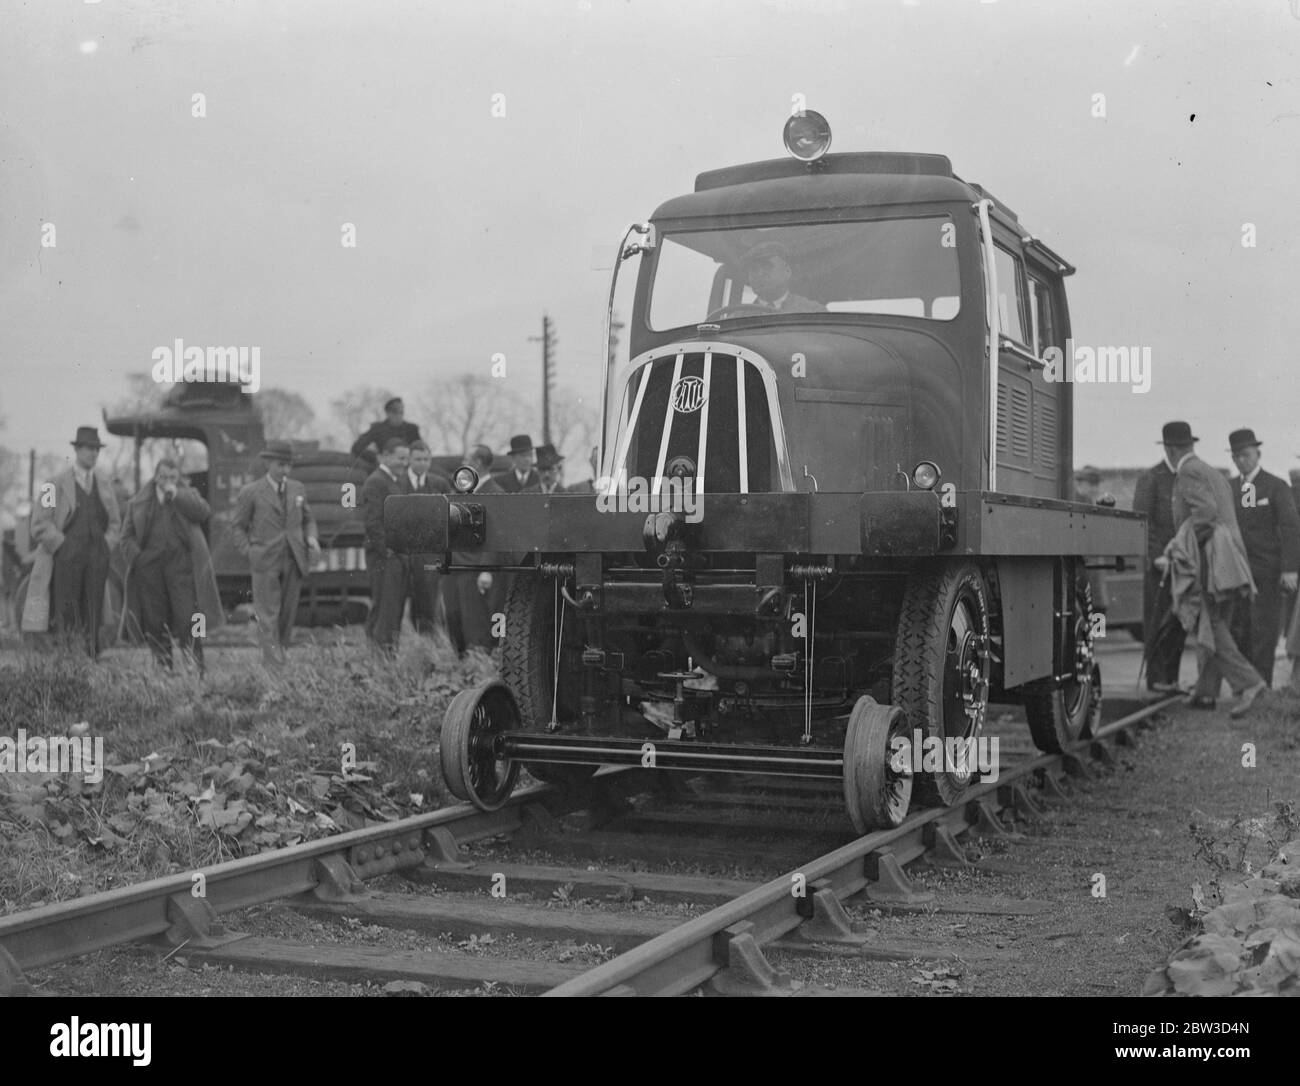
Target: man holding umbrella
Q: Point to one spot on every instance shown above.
(1154, 497)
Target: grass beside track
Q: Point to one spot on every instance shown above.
(205, 770)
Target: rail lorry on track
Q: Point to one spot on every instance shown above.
(831, 513)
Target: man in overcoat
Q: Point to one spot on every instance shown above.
(1270, 527)
(76, 523)
(1154, 496)
(169, 569)
(273, 525)
(1211, 544)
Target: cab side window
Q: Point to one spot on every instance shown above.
(1042, 315)
(1011, 296)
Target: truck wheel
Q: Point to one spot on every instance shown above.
(1060, 714)
(471, 765)
(527, 666)
(941, 671)
(877, 791)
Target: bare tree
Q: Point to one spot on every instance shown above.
(285, 415)
(575, 428)
(468, 410)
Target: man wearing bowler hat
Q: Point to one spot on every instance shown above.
(1210, 576)
(521, 474)
(273, 525)
(548, 471)
(75, 524)
(1154, 497)
(1270, 526)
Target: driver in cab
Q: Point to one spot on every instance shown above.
(767, 267)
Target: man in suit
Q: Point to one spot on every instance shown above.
(467, 609)
(75, 524)
(1270, 527)
(387, 569)
(1204, 501)
(393, 425)
(170, 571)
(273, 525)
(1154, 497)
(549, 470)
(422, 583)
(521, 474)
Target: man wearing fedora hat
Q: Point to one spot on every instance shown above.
(1210, 576)
(273, 525)
(1154, 497)
(548, 472)
(1270, 527)
(521, 474)
(75, 524)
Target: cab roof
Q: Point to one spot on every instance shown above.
(837, 182)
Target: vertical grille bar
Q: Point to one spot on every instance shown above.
(620, 462)
(743, 433)
(668, 422)
(704, 423)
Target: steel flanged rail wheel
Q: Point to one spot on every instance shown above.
(877, 770)
(472, 763)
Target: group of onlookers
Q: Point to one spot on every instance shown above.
(470, 599)
(1223, 554)
(78, 519)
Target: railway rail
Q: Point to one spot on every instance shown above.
(721, 948)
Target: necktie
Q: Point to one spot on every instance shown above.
(283, 507)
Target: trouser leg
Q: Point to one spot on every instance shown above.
(182, 604)
(290, 593)
(266, 605)
(1165, 640)
(1265, 612)
(392, 600)
(1229, 659)
(151, 593)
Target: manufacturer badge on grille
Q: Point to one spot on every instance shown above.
(688, 395)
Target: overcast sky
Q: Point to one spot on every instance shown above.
(225, 230)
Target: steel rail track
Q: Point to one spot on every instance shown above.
(729, 938)
(330, 868)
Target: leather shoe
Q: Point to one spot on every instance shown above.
(1201, 701)
(1248, 698)
(1165, 688)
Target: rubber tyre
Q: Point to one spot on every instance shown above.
(876, 794)
(468, 767)
(527, 660)
(922, 664)
(1061, 714)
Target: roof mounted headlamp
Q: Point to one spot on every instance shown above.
(807, 135)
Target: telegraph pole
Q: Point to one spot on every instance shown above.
(547, 340)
